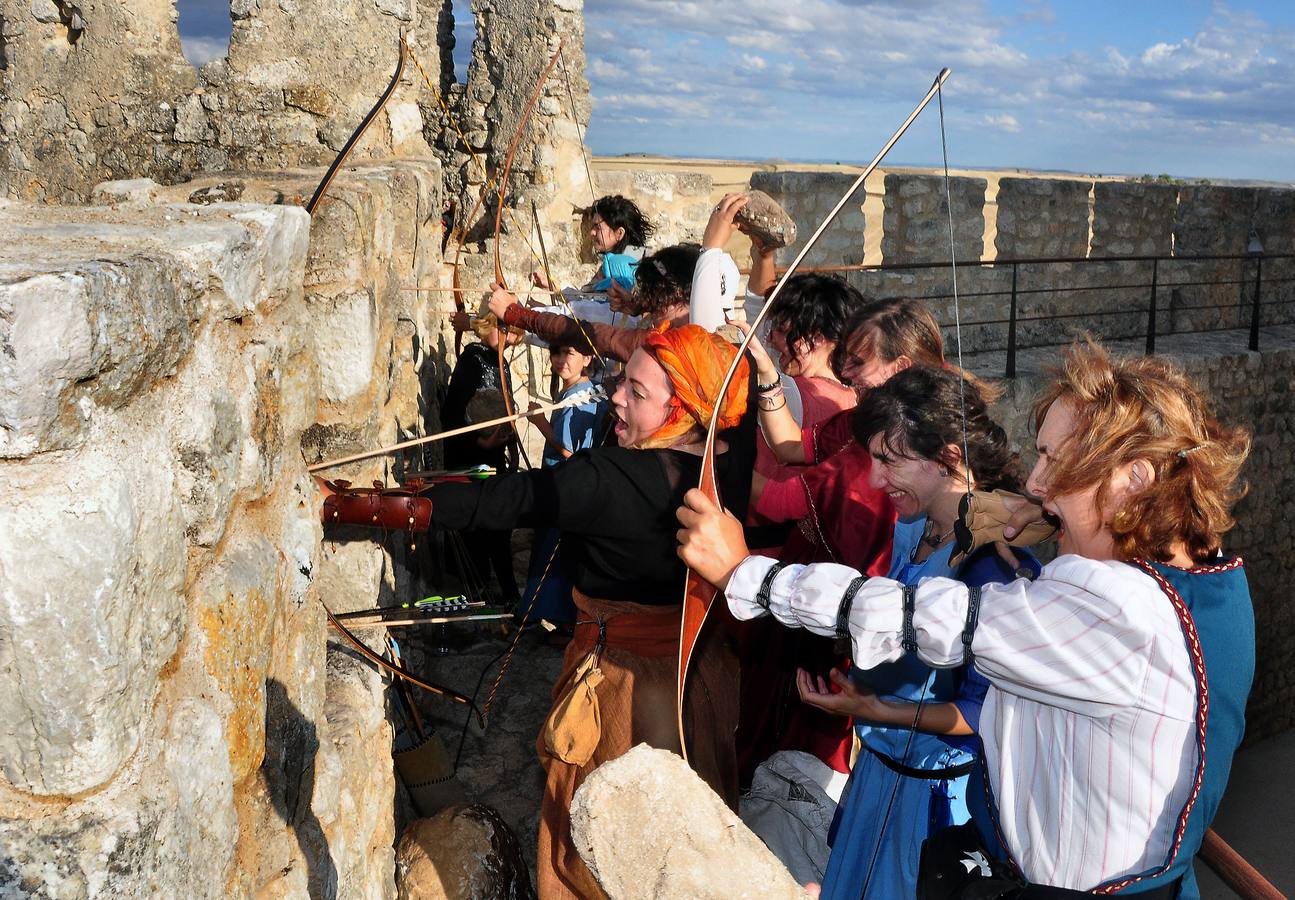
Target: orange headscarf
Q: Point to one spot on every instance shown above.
(695, 361)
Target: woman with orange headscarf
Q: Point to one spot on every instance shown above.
(615, 509)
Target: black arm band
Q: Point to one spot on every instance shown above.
(762, 595)
(842, 645)
(909, 638)
(969, 631)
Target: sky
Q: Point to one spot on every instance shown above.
(1192, 89)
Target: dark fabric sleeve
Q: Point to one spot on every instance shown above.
(567, 496)
(465, 381)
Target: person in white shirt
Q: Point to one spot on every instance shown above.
(1118, 678)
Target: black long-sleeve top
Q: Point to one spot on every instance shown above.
(615, 508)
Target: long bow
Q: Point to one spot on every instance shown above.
(699, 594)
(499, 209)
(340, 159)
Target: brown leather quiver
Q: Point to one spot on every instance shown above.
(394, 509)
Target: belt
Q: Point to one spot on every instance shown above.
(944, 774)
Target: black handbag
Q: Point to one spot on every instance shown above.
(956, 865)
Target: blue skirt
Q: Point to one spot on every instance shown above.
(863, 829)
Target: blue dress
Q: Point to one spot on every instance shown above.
(909, 807)
(575, 428)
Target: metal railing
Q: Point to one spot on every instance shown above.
(1155, 286)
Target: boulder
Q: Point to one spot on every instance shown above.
(462, 853)
(648, 827)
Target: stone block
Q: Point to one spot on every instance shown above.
(92, 567)
(82, 333)
(1131, 219)
(191, 125)
(1213, 219)
(173, 824)
(1042, 217)
(127, 190)
(648, 827)
(309, 97)
(915, 225)
(235, 603)
(346, 343)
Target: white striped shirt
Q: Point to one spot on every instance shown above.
(1089, 723)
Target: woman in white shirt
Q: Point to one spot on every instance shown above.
(1118, 678)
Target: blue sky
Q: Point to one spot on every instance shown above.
(1189, 88)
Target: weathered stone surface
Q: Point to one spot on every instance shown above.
(128, 190)
(915, 227)
(91, 607)
(1132, 219)
(461, 853)
(346, 343)
(1042, 217)
(225, 192)
(92, 332)
(648, 827)
(169, 820)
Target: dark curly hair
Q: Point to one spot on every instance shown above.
(814, 307)
(664, 278)
(621, 212)
(919, 413)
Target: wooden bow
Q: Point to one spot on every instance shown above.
(699, 594)
(340, 159)
(499, 209)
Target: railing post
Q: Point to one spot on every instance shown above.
(1151, 314)
(1011, 330)
(1254, 312)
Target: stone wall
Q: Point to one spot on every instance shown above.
(1045, 217)
(1256, 390)
(175, 722)
(808, 197)
(115, 98)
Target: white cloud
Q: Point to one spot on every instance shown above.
(825, 80)
(201, 50)
(1002, 122)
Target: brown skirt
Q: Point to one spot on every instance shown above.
(636, 698)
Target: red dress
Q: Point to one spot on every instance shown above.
(839, 518)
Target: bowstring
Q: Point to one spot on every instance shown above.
(957, 311)
(966, 465)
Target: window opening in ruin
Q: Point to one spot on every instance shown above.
(205, 27)
(4, 46)
(465, 35)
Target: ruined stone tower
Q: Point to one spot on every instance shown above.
(177, 721)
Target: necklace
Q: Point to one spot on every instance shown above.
(930, 539)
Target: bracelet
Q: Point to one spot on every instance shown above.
(969, 630)
(763, 388)
(908, 639)
(770, 407)
(842, 644)
(762, 595)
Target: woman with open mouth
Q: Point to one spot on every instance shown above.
(1118, 678)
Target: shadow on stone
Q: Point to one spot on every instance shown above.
(291, 745)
